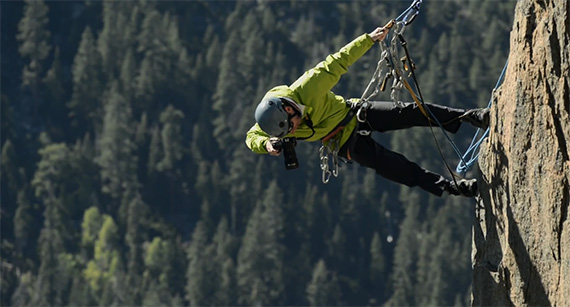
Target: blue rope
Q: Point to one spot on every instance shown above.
(473, 150)
(472, 154)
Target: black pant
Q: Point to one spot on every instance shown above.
(385, 116)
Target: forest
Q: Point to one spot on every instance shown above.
(125, 179)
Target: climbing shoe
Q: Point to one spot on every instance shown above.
(477, 117)
(463, 187)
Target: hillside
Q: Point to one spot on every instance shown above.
(125, 180)
(522, 241)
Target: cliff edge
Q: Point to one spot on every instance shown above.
(521, 237)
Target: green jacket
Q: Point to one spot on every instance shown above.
(313, 90)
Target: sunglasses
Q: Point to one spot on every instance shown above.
(290, 121)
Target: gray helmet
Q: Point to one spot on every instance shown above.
(271, 116)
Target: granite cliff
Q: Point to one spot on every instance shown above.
(521, 237)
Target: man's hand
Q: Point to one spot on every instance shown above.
(272, 151)
(380, 33)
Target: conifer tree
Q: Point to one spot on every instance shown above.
(24, 293)
(378, 270)
(34, 38)
(227, 294)
(199, 282)
(323, 289)
(87, 82)
(103, 272)
(232, 89)
(90, 227)
(171, 137)
(403, 273)
(49, 284)
(116, 157)
(9, 162)
(127, 75)
(80, 294)
(336, 249)
(134, 238)
(158, 276)
(55, 176)
(155, 151)
(112, 42)
(260, 262)
(24, 228)
(55, 108)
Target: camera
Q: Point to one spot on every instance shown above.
(287, 145)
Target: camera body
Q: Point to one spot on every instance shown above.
(287, 146)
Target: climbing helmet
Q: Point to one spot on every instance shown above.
(272, 118)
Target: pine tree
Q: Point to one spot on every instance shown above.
(24, 228)
(323, 290)
(227, 294)
(171, 136)
(87, 82)
(90, 227)
(54, 178)
(403, 273)
(155, 151)
(116, 157)
(260, 262)
(104, 272)
(200, 282)
(134, 238)
(34, 38)
(336, 247)
(113, 39)
(160, 266)
(55, 109)
(128, 73)
(378, 270)
(49, 283)
(23, 295)
(80, 294)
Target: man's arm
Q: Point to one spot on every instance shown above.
(320, 80)
(258, 141)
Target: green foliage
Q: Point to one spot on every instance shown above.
(87, 85)
(125, 180)
(34, 37)
(116, 158)
(323, 290)
(171, 139)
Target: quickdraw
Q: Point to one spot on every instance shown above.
(331, 149)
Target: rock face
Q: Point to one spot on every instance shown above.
(521, 248)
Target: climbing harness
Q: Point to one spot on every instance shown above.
(331, 147)
(386, 69)
(401, 72)
(472, 153)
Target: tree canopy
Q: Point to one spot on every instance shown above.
(126, 181)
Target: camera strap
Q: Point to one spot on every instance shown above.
(309, 123)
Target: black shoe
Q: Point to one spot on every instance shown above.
(464, 187)
(477, 117)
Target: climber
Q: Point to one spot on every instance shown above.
(308, 110)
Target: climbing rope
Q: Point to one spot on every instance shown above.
(390, 66)
(472, 153)
(386, 69)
